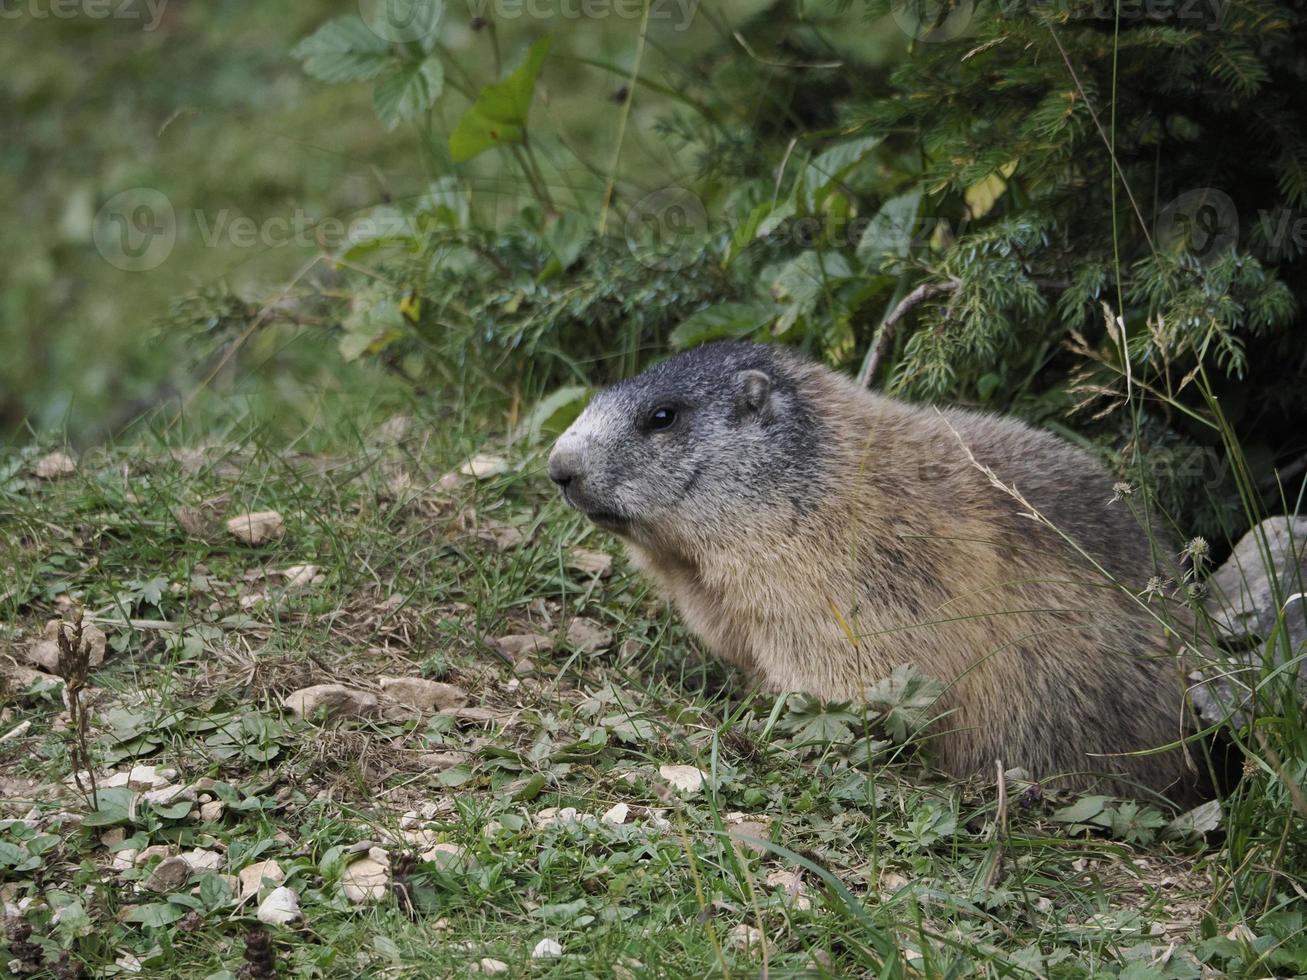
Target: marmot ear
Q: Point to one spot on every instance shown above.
(752, 394)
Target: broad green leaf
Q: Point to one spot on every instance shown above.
(719, 321)
(156, 914)
(371, 327)
(343, 50)
(172, 811)
(555, 412)
(891, 231)
(907, 698)
(830, 166)
(567, 236)
(1084, 809)
(11, 855)
(499, 114)
(114, 808)
(1202, 819)
(408, 92)
(811, 273)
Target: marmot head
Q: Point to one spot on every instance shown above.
(701, 443)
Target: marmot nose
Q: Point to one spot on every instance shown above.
(564, 466)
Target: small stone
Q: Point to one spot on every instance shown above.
(169, 875)
(124, 860)
(300, 576)
(368, 878)
(425, 695)
(551, 815)
(257, 527)
(487, 965)
(113, 836)
(749, 830)
(200, 859)
(20, 679)
(744, 937)
(586, 636)
(546, 949)
(168, 795)
(55, 466)
(791, 884)
(212, 812)
(337, 700)
(253, 877)
(282, 906)
(446, 856)
(44, 651)
(686, 779)
(148, 854)
(616, 814)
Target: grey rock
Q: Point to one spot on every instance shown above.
(1265, 575)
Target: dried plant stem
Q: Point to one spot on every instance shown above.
(74, 666)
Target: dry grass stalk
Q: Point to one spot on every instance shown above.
(74, 666)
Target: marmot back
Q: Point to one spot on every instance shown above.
(777, 503)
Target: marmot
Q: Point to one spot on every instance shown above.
(820, 535)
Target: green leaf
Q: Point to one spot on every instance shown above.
(114, 808)
(907, 697)
(566, 236)
(555, 412)
(408, 92)
(455, 776)
(891, 231)
(343, 50)
(499, 114)
(719, 321)
(1202, 819)
(803, 280)
(157, 914)
(830, 166)
(1082, 810)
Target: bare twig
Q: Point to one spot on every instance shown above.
(885, 332)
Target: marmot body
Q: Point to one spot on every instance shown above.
(782, 508)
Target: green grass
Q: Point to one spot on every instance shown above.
(903, 873)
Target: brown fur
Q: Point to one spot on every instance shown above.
(1050, 666)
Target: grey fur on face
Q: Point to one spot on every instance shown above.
(645, 457)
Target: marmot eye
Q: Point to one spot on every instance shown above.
(662, 418)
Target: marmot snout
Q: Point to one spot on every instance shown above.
(779, 504)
